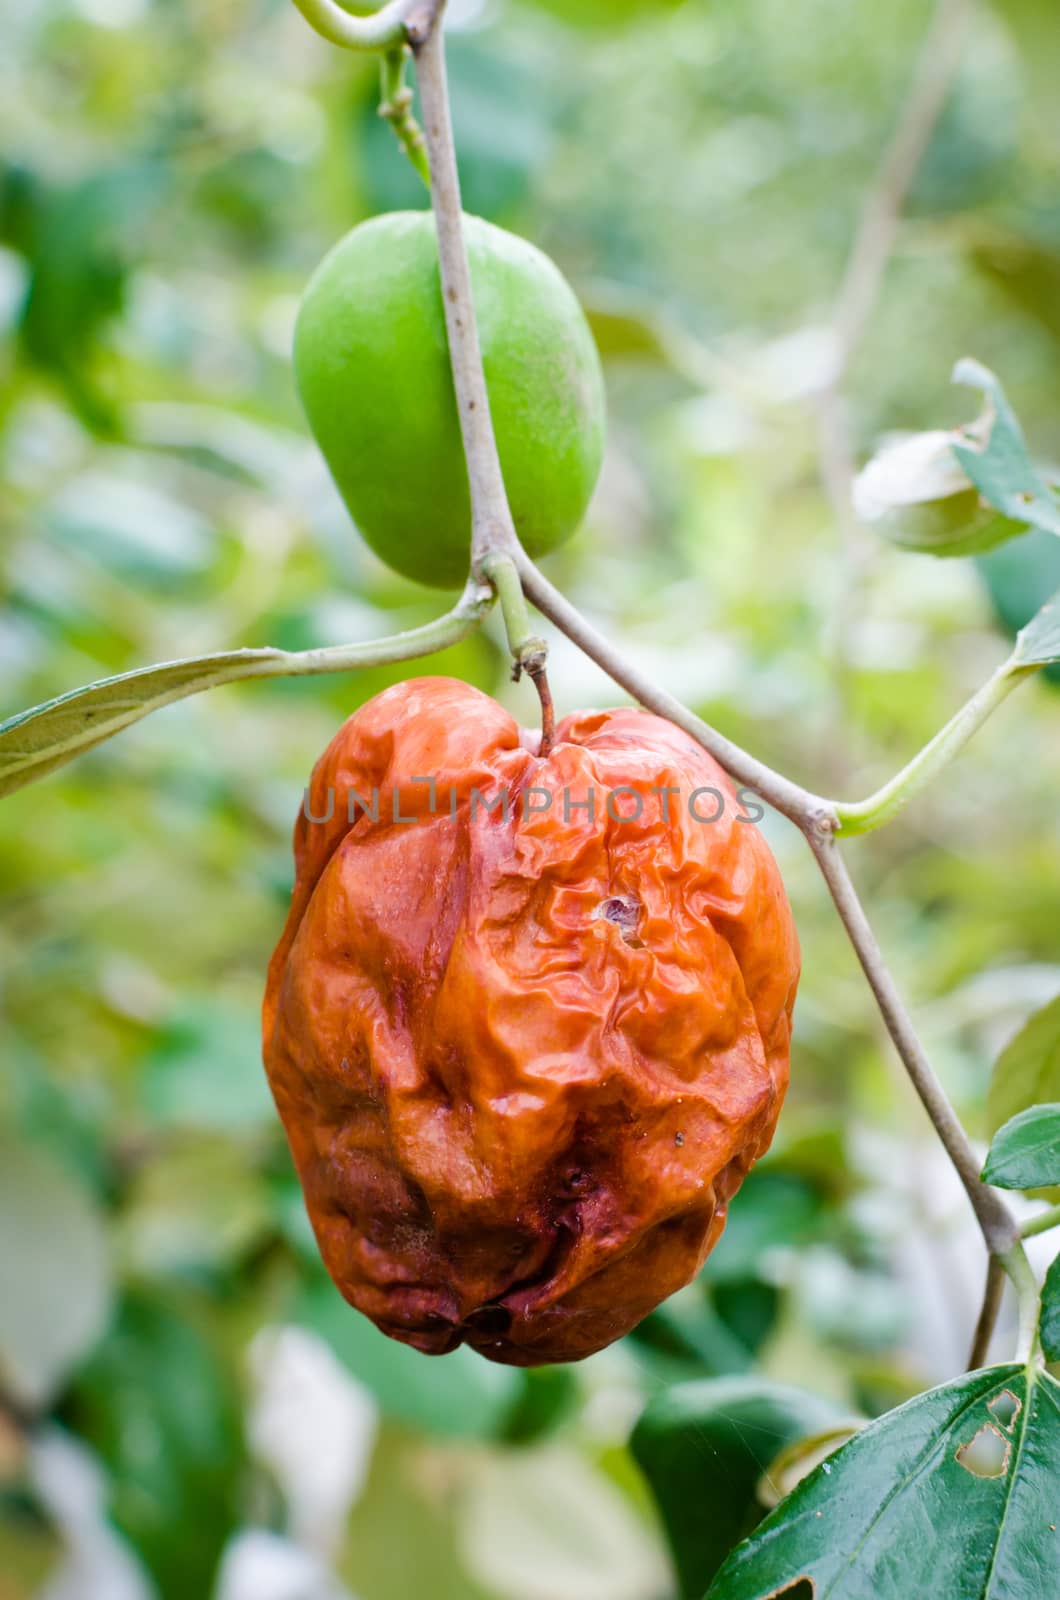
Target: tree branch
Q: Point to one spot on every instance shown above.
(497, 556)
(808, 811)
(492, 529)
(999, 1226)
(993, 1291)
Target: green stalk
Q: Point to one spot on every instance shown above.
(867, 815)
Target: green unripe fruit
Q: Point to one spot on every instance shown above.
(372, 365)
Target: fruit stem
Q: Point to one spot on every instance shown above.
(529, 652)
(539, 674)
(395, 107)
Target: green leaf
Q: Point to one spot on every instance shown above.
(917, 496)
(1000, 466)
(777, 1212)
(953, 1494)
(36, 742)
(161, 1407)
(796, 1461)
(1049, 1326)
(457, 1395)
(1021, 578)
(545, 1396)
(1028, 1070)
(55, 1272)
(1025, 1153)
(703, 1448)
(1038, 644)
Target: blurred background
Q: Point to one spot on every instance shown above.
(188, 1408)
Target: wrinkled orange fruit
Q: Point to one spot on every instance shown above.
(525, 1052)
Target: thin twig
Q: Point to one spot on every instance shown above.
(999, 1226)
(802, 807)
(993, 1291)
(495, 543)
(492, 529)
(866, 815)
(1044, 1222)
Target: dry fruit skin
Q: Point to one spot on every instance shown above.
(524, 1056)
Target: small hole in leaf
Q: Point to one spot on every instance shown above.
(986, 1455)
(801, 1589)
(1005, 1408)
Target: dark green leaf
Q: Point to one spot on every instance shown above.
(1028, 1070)
(953, 1494)
(1025, 1153)
(703, 1448)
(774, 1211)
(1049, 1327)
(686, 1337)
(1021, 578)
(161, 1408)
(545, 1396)
(998, 464)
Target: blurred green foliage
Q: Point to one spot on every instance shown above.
(170, 175)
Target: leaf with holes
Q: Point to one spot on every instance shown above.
(1049, 1326)
(1025, 1153)
(708, 1444)
(1028, 1070)
(1038, 644)
(956, 1493)
(995, 456)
